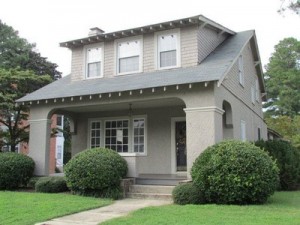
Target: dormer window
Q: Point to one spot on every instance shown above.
(168, 50)
(129, 56)
(94, 62)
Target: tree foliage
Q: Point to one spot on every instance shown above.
(293, 5)
(16, 52)
(283, 79)
(14, 84)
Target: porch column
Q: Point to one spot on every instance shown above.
(39, 145)
(203, 128)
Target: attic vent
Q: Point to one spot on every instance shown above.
(95, 31)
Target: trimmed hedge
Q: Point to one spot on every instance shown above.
(235, 172)
(287, 159)
(187, 193)
(15, 170)
(96, 172)
(51, 185)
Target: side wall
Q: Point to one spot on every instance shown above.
(240, 99)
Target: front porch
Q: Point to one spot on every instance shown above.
(157, 131)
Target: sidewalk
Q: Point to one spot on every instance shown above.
(95, 216)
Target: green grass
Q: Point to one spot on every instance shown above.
(282, 209)
(22, 208)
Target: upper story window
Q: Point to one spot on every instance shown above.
(94, 62)
(129, 56)
(241, 70)
(168, 49)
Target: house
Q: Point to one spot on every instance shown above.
(158, 94)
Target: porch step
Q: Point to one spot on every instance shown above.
(159, 180)
(150, 192)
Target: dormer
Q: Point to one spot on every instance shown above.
(157, 47)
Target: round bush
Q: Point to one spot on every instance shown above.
(51, 185)
(15, 170)
(187, 193)
(96, 171)
(235, 172)
(287, 159)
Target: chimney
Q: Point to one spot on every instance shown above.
(95, 31)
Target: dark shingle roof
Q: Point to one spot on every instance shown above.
(213, 68)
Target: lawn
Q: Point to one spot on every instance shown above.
(22, 208)
(282, 209)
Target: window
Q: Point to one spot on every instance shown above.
(116, 135)
(253, 94)
(243, 130)
(257, 90)
(168, 50)
(124, 135)
(94, 62)
(129, 58)
(241, 70)
(139, 135)
(258, 134)
(95, 134)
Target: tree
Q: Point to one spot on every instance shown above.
(14, 84)
(16, 52)
(283, 79)
(288, 127)
(293, 5)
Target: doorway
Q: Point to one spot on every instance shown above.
(180, 146)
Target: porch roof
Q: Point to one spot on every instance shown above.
(213, 68)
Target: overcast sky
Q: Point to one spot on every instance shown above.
(49, 22)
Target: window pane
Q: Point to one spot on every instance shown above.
(167, 42)
(95, 134)
(168, 58)
(94, 55)
(115, 135)
(94, 69)
(128, 49)
(129, 64)
(138, 135)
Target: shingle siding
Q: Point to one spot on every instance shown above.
(149, 51)
(188, 43)
(109, 59)
(208, 40)
(77, 64)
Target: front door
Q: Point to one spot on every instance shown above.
(180, 138)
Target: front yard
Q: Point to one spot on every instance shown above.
(22, 208)
(282, 209)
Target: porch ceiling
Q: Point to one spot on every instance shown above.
(125, 106)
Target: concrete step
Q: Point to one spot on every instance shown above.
(154, 189)
(157, 181)
(150, 196)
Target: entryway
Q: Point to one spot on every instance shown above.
(180, 144)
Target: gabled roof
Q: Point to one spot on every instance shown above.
(213, 68)
(199, 19)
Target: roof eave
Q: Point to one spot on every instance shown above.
(195, 20)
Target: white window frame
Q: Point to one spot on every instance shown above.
(243, 130)
(178, 48)
(241, 70)
(85, 49)
(129, 39)
(130, 133)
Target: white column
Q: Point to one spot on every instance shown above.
(39, 145)
(203, 129)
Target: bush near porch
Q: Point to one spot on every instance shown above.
(235, 172)
(96, 172)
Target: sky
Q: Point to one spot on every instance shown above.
(49, 22)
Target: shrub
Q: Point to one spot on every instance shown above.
(96, 172)
(187, 193)
(235, 172)
(15, 170)
(51, 185)
(287, 159)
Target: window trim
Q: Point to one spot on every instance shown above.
(253, 93)
(131, 152)
(178, 48)
(85, 63)
(129, 39)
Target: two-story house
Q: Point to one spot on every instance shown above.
(157, 94)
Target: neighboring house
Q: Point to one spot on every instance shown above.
(157, 94)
